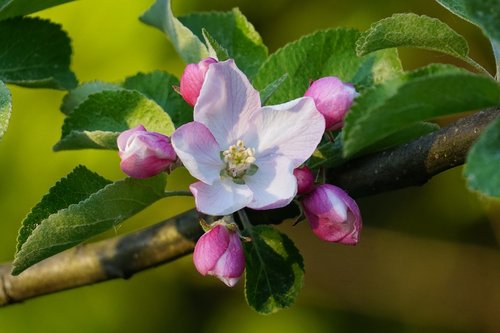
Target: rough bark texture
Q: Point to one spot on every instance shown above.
(407, 165)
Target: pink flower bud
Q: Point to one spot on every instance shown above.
(144, 154)
(333, 98)
(192, 80)
(219, 252)
(305, 179)
(333, 215)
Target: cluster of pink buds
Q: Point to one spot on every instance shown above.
(332, 214)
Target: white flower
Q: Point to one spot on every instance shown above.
(242, 153)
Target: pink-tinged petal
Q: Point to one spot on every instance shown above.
(292, 129)
(333, 215)
(209, 248)
(143, 167)
(125, 135)
(231, 264)
(226, 102)
(273, 185)
(198, 151)
(221, 198)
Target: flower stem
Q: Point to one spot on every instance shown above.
(178, 194)
(245, 220)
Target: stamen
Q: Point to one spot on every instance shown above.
(239, 159)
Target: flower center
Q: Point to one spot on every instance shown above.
(239, 162)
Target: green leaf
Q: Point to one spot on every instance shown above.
(78, 95)
(35, 53)
(100, 211)
(12, 8)
(274, 270)
(483, 161)
(424, 94)
(412, 30)
(189, 46)
(75, 187)
(234, 33)
(5, 108)
(483, 13)
(268, 91)
(214, 46)
(324, 53)
(158, 86)
(98, 121)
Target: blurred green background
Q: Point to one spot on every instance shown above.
(428, 260)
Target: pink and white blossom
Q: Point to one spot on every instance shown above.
(219, 252)
(333, 215)
(144, 154)
(244, 154)
(333, 99)
(192, 80)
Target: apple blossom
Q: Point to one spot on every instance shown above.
(219, 252)
(244, 154)
(144, 154)
(333, 215)
(333, 99)
(192, 80)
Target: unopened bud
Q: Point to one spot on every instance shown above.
(144, 154)
(333, 215)
(333, 98)
(192, 80)
(305, 179)
(219, 252)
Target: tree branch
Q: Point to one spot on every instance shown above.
(406, 165)
(413, 163)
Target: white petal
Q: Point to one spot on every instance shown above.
(274, 184)
(292, 129)
(221, 198)
(226, 102)
(198, 151)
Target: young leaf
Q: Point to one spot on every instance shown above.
(483, 13)
(412, 30)
(35, 53)
(98, 121)
(189, 46)
(78, 95)
(13, 8)
(75, 187)
(97, 213)
(234, 33)
(274, 272)
(214, 47)
(482, 167)
(417, 96)
(157, 86)
(5, 108)
(324, 53)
